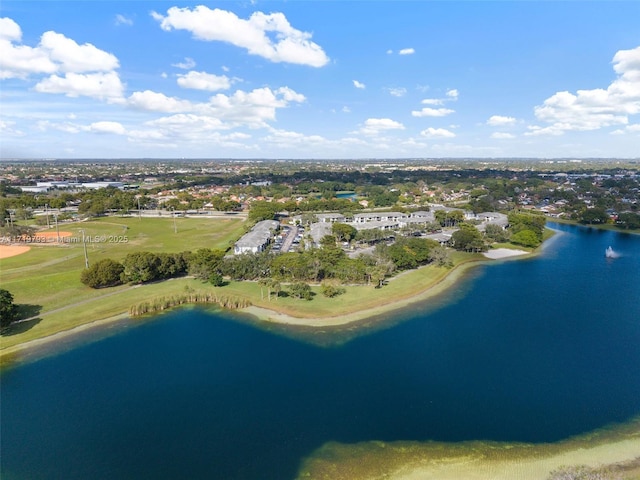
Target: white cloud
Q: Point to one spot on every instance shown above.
(437, 133)
(346, 109)
(197, 130)
(107, 127)
(451, 94)
(553, 130)
(58, 54)
(66, 127)
(144, 135)
(188, 64)
(398, 92)
(499, 121)
(406, 51)
(10, 30)
(158, 102)
(76, 58)
(8, 128)
(19, 61)
(103, 86)
(288, 139)
(204, 81)
(597, 108)
(290, 45)
(187, 124)
(253, 109)
(290, 95)
(502, 135)
(432, 112)
(359, 85)
(635, 128)
(374, 126)
(123, 20)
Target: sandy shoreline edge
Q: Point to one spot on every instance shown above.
(477, 460)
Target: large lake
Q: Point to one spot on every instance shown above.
(533, 350)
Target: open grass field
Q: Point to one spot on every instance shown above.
(47, 276)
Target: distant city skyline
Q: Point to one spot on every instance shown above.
(354, 79)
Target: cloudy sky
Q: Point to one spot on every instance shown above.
(319, 79)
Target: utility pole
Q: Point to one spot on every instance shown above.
(55, 216)
(175, 228)
(84, 246)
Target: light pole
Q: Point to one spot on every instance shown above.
(175, 228)
(84, 246)
(55, 216)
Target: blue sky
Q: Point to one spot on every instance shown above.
(319, 79)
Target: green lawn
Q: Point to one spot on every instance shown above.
(47, 277)
(356, 298)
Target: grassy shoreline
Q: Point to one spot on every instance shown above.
(76, 308)
(415, 286)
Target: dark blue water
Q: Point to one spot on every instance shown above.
(537, 351)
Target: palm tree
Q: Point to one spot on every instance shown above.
(276, 288)
(263, 282)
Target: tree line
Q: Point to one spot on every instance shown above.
(328, 263)
(145, 267)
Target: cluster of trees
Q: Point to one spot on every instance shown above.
(468, 238)
(381, 197)
(145, 267)
(594, 216)
(408, 252)
(262, 210)
(8, 309)
(331, 265)
(526, 228)
(103, 200)
(628, 220)
(449, 218)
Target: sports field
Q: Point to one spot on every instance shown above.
(43, 274)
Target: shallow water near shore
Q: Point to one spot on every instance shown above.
(534, 350)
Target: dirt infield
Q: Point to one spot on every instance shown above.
(7, 251)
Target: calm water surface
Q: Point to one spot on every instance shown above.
(536, 351)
